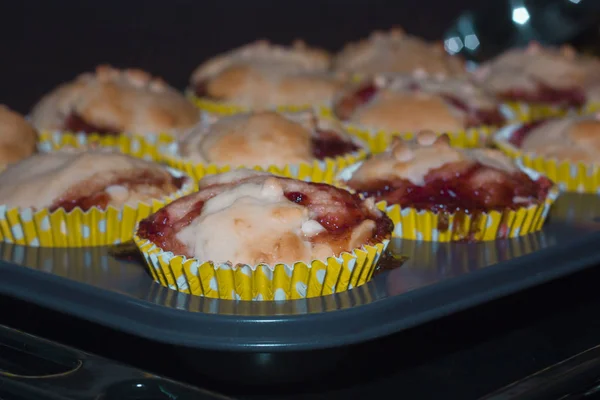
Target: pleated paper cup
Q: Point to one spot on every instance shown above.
(569, 176)
(261, 282)
(535, 111)
(413, 224)
(78, 228)
(135, 145)
(379, 140)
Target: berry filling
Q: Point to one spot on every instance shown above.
(101, 198)
(338, 212)
(574, 97)
(473, 188)
(75, 123)
(328, 144)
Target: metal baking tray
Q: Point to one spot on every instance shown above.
(437, 279)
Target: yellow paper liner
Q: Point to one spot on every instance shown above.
(225, 108)
(261, 282)
(531, 112)
(379, 140)
(77, 228)
(352, 298)
(570, 176)
(410, 223)
(134, 145)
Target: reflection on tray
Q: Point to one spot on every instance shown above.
(427, 263)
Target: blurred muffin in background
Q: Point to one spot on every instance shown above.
(111, 101)
(262, 75)
(17, 137)
(410, 103)
(397, 52)
(542, 75)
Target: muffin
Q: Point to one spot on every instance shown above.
(396, 52)
(241, 225)
(537, 75)
(17, 137)
(441, 193)
(262, 76)
(266, 139)
(112, 101)
(95, 197)
(409, 103)
(567, 149)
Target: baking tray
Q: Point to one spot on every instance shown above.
(437, 279)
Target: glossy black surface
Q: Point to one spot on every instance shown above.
(35, 368)
(466, 355)
(438, 279)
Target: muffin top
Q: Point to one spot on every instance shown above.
(70, 179)
(17, 138)
(542, 74)
(263, 75)
(397, 52)
(428, 174)
(410, 103)
(266, 138)
(570, 139)
(112, 101)
(249, 217)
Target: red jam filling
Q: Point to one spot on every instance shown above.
(476, 117)
(201, 88)
(101, 198)
(74, 123)
(573, 97)
(160, 229)
(327, 144)
(453, 192)
(345, 106)
(518, 136)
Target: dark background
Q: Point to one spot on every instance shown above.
(46, 42)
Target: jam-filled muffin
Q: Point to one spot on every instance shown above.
(263, 75)
(17, 137)
(73, 179)
(428, 174)
(536, 74)
(110, 101)
(575, 139)
(266, 138)
(249, 217)
(396, 52)
(410, 103)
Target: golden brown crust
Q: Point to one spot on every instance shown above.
(525, 69)
(253, 218)
(259, 138)
(262, 75)
(127, 100)
(572, 139)
(410, 103)
(396, 52)
(17, 137)
(77, 174)
(406, 112)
